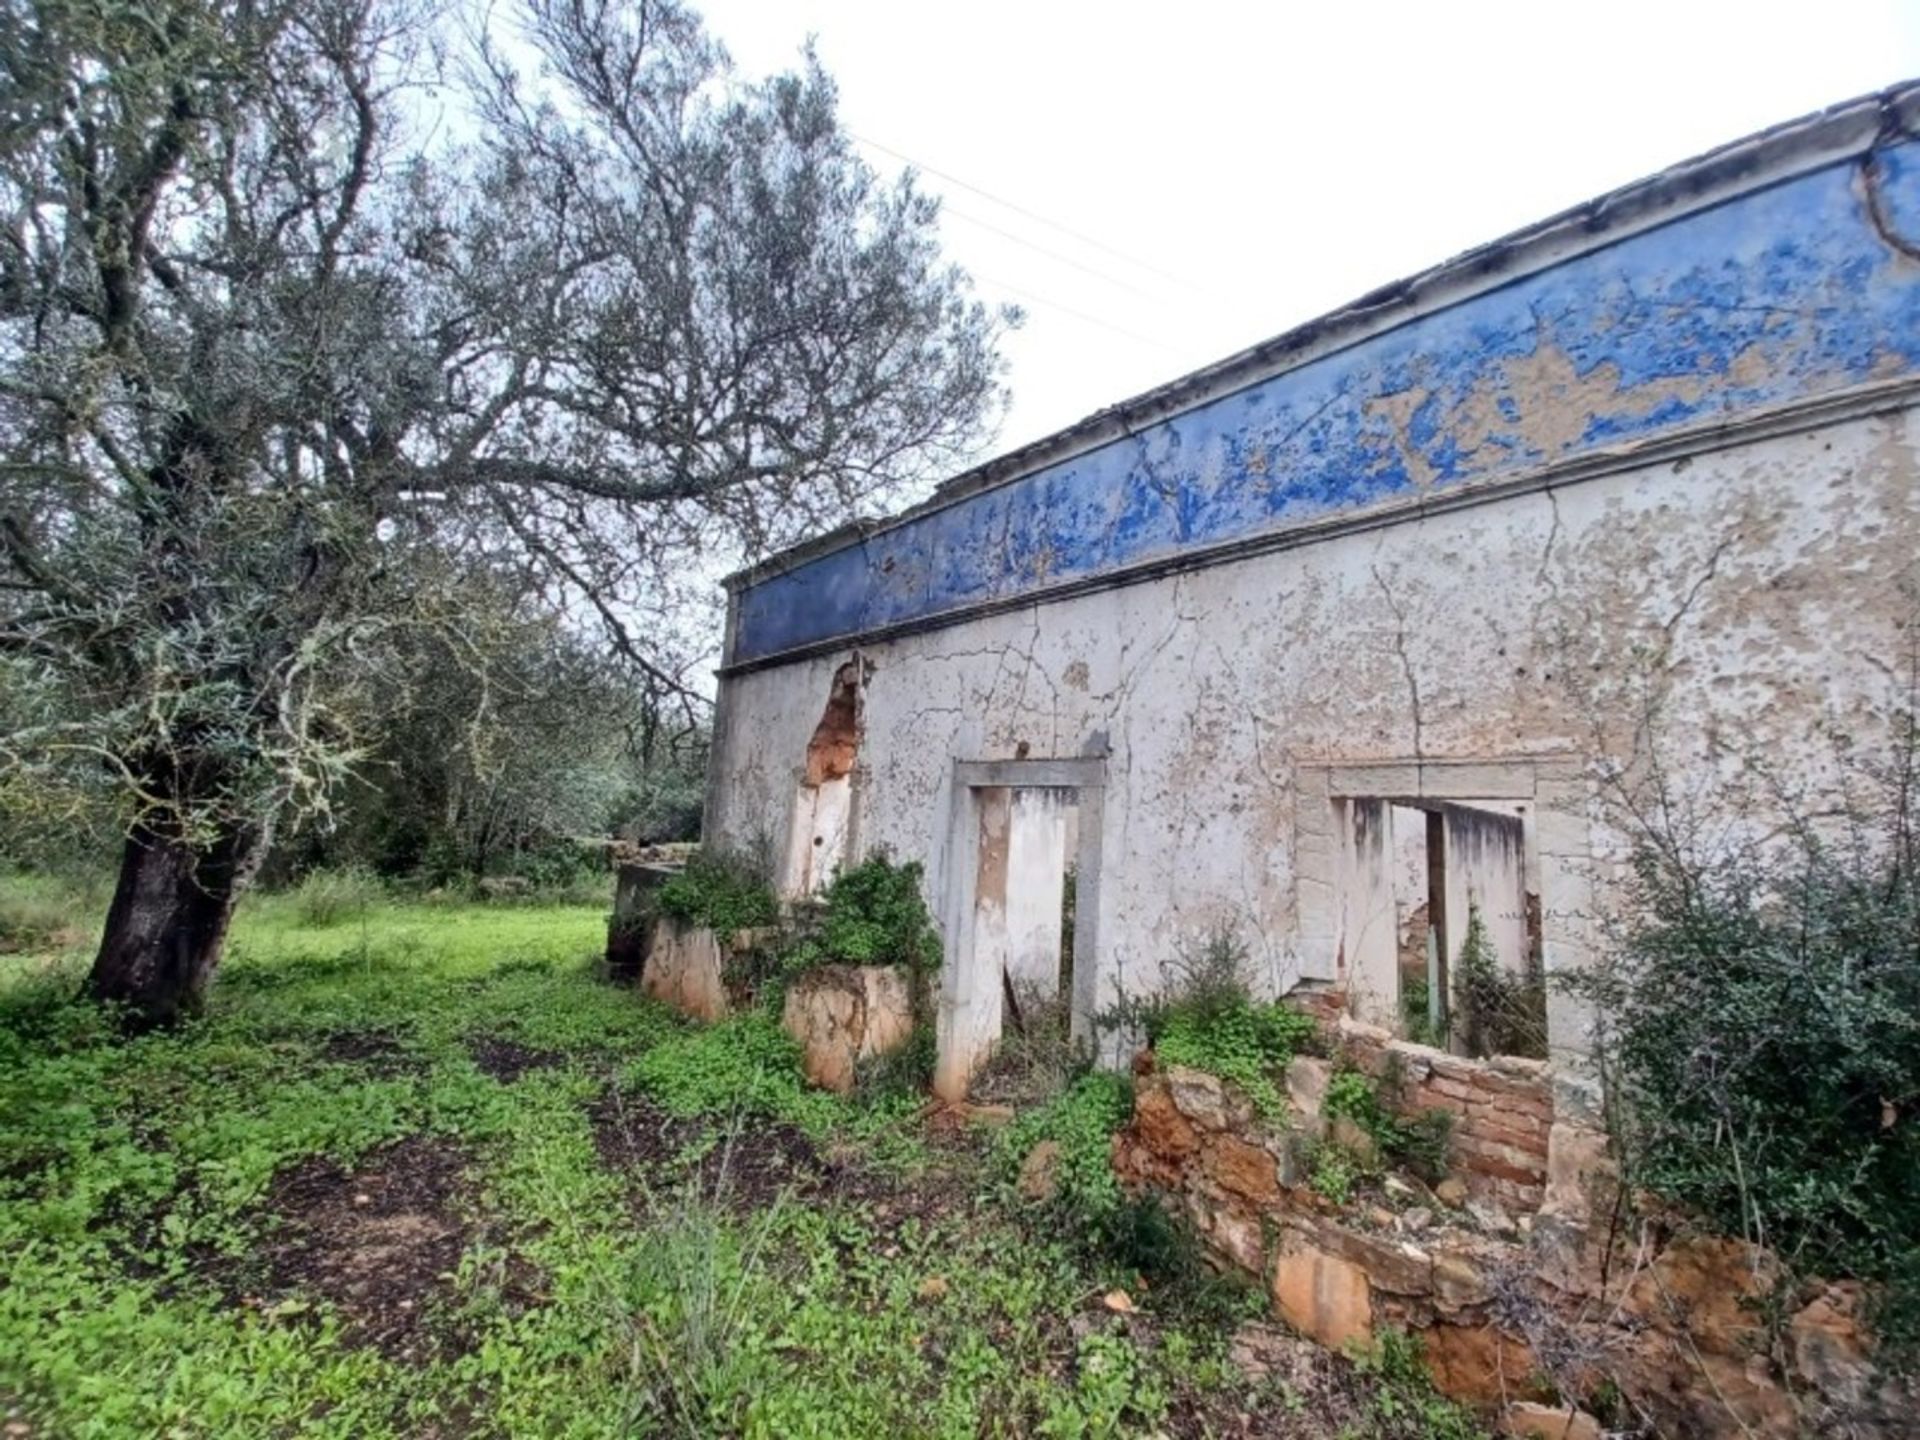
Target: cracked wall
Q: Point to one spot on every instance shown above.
(1753, 595)
(1793, 290)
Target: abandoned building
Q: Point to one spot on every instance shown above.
(1334, 644)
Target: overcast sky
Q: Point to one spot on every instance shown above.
(1159, 186)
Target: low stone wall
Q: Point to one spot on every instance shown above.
(1516, 1313)
(1502, 1109)
(840, 1014)
(844, 1014)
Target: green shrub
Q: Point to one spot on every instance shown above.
(746, 1065)
(326, 897)
(1498, 1012)
(1404, 1404)
(1762, 1038)
(1418, 1141)
(720, 891)
(871, 914)
(1209, 1021)
(1082, 1121)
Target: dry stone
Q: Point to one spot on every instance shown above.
(1321, 1295)
(842, 1015)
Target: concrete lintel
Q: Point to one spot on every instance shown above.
(1032, 774)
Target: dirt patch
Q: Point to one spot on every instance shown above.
(747, 1167)
(379, 1241)
(381, 1052)
(507, 1060)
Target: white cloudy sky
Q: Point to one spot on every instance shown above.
(1161, 185)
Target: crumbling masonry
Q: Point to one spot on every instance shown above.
(1332, 643)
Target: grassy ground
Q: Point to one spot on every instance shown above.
(421, 1173)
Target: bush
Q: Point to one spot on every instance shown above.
(1418, 1141)
(326, 897)
(1762, 1042)
(746, 1065)
(1082, 1121)
(1209, 1021)
(871, 914)
(720, 891)
(1498, 1012)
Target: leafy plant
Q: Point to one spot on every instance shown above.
(1082, 1121)
(1762, 1044)
(1418, 1140)
(1404, 1404)
(1334, 1173)
(723, 892)
(1111, 1388)
(871, 914)
(1207, 1019)
(744, 1065)
(1498, 1012)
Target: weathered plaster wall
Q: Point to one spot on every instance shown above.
(1793, 289)
(1748, 595)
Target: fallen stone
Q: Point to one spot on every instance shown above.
(1451, 1192)
(1416, 1219)
(1118, 1301)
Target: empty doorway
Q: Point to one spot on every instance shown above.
(1021, 907)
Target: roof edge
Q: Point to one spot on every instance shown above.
(1754, 162)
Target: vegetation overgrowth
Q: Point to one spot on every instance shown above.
(418, 1171)
(1761, 1039)
(1207, 1019)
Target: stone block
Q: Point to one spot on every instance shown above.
(1198, 1096)
(684, 971)
(1307, 1077)
(1479, 1364)
(1159, 1127)
(1548, 1422)
(1244, 1170)
(842, 1015)
(1322, 1296)
(1459, 1282)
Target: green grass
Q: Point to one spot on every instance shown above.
(137, 1209)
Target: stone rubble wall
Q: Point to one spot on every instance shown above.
(1502, 1109)
(840, 1014)
(1519, 1314)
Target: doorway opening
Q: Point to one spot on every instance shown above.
(1439, 921)
(1020, 913)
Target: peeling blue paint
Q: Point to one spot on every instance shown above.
(1779, 294)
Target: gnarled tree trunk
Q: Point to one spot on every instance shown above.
(168, 921)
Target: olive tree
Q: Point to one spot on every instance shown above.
(313, 311)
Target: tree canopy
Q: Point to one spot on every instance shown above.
(315, 315)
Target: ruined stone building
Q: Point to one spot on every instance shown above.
(1333, 643)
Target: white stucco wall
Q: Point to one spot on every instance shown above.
(1744, 598)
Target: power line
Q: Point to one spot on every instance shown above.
(1019, 209)
(1050, 253)
(1080, 315)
